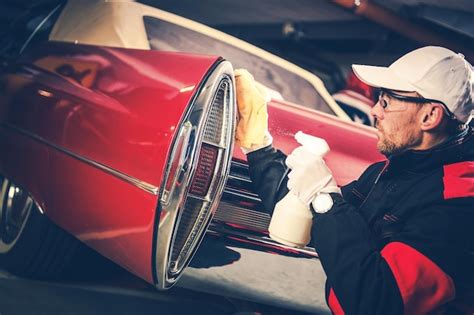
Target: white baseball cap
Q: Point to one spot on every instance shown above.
(434, 72)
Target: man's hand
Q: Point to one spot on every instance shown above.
(252, 128)
(309, 175)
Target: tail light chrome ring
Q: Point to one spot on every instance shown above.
(196, 172)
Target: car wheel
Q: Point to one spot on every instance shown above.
(30, 244)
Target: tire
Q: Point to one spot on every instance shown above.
(30, 244)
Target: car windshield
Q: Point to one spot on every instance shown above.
(167, 36)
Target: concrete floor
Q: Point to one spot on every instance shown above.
(108, 289)
(20, 296)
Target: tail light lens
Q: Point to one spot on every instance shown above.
(204, 171)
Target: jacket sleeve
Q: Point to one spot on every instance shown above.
(268, 173)
(412, 274)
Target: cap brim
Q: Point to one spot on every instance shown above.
(382, 77)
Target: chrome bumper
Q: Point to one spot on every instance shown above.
(238, 259)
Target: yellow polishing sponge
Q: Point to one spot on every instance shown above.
(252, 105)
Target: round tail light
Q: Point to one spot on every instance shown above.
(196, 172)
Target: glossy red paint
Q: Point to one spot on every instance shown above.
(116, 107)
(353, 146)
(110, 215)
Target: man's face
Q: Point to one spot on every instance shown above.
(397, 124)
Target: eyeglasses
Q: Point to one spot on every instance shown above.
(412, 99)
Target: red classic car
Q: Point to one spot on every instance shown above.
(111, 137)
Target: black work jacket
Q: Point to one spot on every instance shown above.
(401, 238)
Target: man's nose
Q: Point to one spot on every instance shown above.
(377, 111)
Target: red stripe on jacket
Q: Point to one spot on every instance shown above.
(334, 305)
(458, 180)
(423, 285)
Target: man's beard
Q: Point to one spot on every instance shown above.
(390, 147)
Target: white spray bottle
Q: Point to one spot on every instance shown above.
(292, 220)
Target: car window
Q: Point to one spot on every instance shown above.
(32, 26)
(167, 36)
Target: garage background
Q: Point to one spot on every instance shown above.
(323, 36)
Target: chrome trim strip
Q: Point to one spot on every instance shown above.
(218, 228)
(237, 193)
(122, 176)
(239, 164)
(204, 199)
(184, 141)
(233, 214)
(241, 178)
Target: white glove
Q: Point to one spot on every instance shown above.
(309, 175)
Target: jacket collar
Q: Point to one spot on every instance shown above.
(455, 149)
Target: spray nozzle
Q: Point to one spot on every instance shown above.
(315, 145)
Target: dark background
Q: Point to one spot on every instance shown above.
(322, 36)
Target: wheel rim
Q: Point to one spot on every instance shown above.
(15, 209)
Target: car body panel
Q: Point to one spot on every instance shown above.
(102, 120)
(114, 217)
(118, 121)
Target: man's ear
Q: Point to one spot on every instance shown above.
(431, 116)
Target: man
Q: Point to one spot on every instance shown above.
(400, 239)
